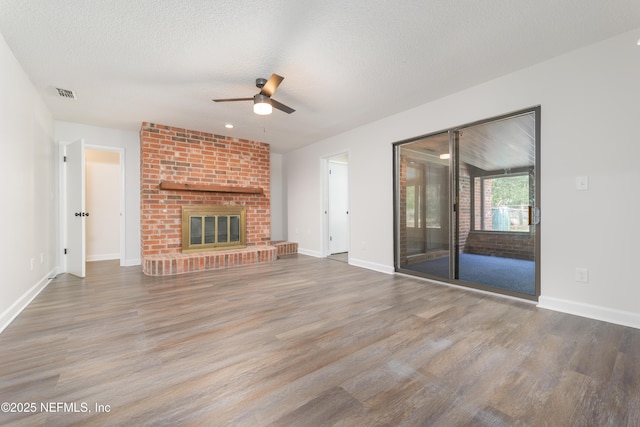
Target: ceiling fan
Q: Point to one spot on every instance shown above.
(262, 102)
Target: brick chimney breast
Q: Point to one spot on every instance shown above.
(182, 156)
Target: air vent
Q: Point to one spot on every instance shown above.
(66, 93)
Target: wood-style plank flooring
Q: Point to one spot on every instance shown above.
(307, 342)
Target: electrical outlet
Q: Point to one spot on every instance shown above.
(582, 275)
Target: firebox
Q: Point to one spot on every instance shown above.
(206, 228)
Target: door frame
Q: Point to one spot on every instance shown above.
(63, 199)
(326, 229)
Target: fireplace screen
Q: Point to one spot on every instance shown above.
(213, 227)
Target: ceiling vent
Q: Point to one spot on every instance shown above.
(66, 93)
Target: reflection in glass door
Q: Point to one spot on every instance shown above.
(467, 203)
(424, 212)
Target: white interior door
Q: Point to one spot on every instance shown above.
(338, 208)
(75, 208)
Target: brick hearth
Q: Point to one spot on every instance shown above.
(165, 265)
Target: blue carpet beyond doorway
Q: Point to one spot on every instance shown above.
(510, 274)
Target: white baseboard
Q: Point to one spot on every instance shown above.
(132, 262)
(309, 252)
(104, 257)
(372, 266)
(21, 303)
(619, 317)
(353, 261)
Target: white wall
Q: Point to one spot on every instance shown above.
(103, 204)
(130, 142)
(29, 182)
(590, 102)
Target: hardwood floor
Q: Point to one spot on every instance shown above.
(307, 342)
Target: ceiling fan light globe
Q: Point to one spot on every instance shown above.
(262, 108)
(262, 105)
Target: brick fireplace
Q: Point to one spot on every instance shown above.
(181, 167)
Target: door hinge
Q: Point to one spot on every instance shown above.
(65, 251)
(64, 159)
(331, 238)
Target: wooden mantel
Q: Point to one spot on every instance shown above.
(213, 188)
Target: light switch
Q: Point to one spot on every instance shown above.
(582, 183)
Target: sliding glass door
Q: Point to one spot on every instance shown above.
(424, 205)
(466, 206)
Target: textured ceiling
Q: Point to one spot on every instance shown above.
(345, 63)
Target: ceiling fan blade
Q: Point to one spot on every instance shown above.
(232, 99)
(271, 85)
(281, 107)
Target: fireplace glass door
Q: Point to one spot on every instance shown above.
(212, 227)
(199, 235)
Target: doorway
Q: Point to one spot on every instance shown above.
(337, 207)
(92, 202)
(467, 205)
(103, 201)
